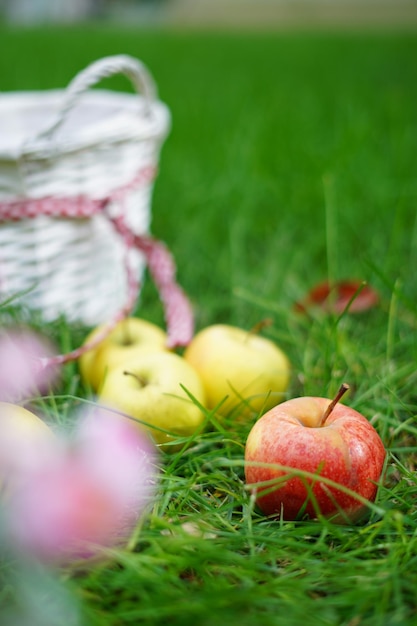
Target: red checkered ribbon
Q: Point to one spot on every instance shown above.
(161, 265)
(74, 206)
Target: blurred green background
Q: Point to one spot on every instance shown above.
(252, 13)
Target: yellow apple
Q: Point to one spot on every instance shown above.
(250, 370)
(24, 438)
(149, 388)
(128, 338)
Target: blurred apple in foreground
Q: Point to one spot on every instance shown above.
(321, 437)
(129, 337)
(239, 364)
(24, 439)
(149, 389)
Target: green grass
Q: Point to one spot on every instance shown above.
(292, 158)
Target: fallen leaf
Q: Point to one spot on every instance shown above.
(351, 295)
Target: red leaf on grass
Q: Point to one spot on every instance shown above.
(335, 298)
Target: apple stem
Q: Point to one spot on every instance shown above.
(259, 326)
(342, 390)
(141, 380)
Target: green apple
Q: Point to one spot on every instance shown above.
(149, 388)
(128, 338)
(23, 439)
(248, 369)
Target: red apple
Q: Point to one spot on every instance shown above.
(320, 437)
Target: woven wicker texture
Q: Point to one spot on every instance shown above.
(70, 161)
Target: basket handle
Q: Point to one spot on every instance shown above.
(132, 68)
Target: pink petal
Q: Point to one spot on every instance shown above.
(119, 453)
(61, 514)
(21, 374)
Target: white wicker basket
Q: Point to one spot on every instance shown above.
(63, 154)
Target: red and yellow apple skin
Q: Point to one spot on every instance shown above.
(346, 449)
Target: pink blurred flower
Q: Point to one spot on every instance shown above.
(113, 449)
(90, 496)
(22, 372)
(61, 513)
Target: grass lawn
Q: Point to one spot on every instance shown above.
(292, 159)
